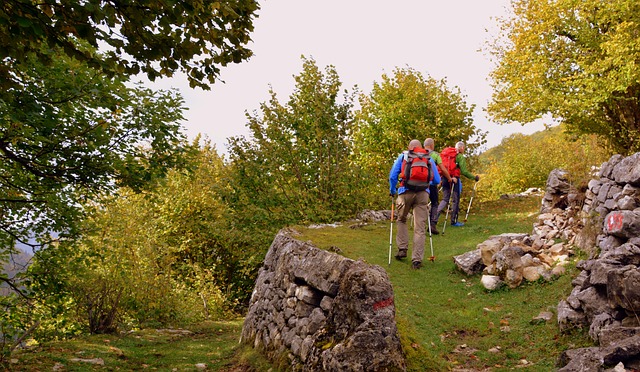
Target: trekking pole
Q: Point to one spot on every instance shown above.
(444, 225)
(391, 230)
(472, 195)
(432, 258)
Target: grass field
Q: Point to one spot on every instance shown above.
(446, 320)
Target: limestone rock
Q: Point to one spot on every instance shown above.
(470, 263)
(491, 282)
(322, 311)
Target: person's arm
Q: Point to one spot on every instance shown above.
(434, 170)
(462, 163)
(393, 175)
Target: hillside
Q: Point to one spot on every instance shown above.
(447, 321)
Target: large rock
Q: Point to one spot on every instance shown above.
(625, 224)
(322, 311)
(628, 170)
(626, 351)
(470, 263)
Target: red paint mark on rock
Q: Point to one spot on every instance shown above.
(382, 304)
(614, 222)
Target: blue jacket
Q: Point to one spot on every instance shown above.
(395, 173)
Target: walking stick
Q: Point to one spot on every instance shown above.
(444, 225)
(432, 258)
(391, 230)
(472, 195)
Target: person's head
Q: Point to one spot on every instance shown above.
(414, 143)
(429, 144)
(460, 147)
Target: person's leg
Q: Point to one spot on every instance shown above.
(403, 206)
(455, 206)
(421, 213)
(446, 195)
(433, 212)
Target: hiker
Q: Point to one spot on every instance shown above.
(412, 193)
(457, 166)
(429, 145)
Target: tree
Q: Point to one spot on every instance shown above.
(408, 106)
(574, 60)
(69, 133)
(155, 37)
(512, 170)
(162, 256)
(295, 165)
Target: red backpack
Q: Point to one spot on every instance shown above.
(448, 155)
(415, 174)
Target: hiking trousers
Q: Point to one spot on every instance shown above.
(433, 211)
(450, 194)
(418, 201)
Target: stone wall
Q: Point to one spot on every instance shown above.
(606, 295)
(315, 310)
(511, 259)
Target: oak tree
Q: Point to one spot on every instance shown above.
(574, 60)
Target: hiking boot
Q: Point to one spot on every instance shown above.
(401, 254)
(416, 265)
(434, 231)
(457, 224)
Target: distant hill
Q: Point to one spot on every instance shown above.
(18, 262)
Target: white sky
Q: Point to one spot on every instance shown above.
(363, 40)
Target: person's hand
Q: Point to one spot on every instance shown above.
(454, 179)
(477, 178)
(392, 193)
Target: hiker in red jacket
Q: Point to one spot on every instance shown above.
(457, 166)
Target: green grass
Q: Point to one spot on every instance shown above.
(214, 344)
(438, 310)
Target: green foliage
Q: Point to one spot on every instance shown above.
(511, 170)
(575, 60)
(158, 257)
(68, 133)
(158, 38)
(403, 107)
(295, 166)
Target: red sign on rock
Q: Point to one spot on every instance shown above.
(614, 222)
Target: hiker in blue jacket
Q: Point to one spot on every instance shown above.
(408, 199)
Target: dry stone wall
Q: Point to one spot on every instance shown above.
(606, 295)
(510, 259)
(322, 311)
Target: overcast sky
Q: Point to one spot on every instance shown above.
(363, 40)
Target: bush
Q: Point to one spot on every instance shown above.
(524, 161)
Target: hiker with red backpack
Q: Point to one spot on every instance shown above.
(455, 162)
(429, 145)
(416, 171)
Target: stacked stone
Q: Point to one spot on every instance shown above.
(606, 295)
(322, 311)
(508, 259)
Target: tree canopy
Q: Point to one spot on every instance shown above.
(575, 60)
(69, 133)
(405, 106)
(157, 37)
(295, 165)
